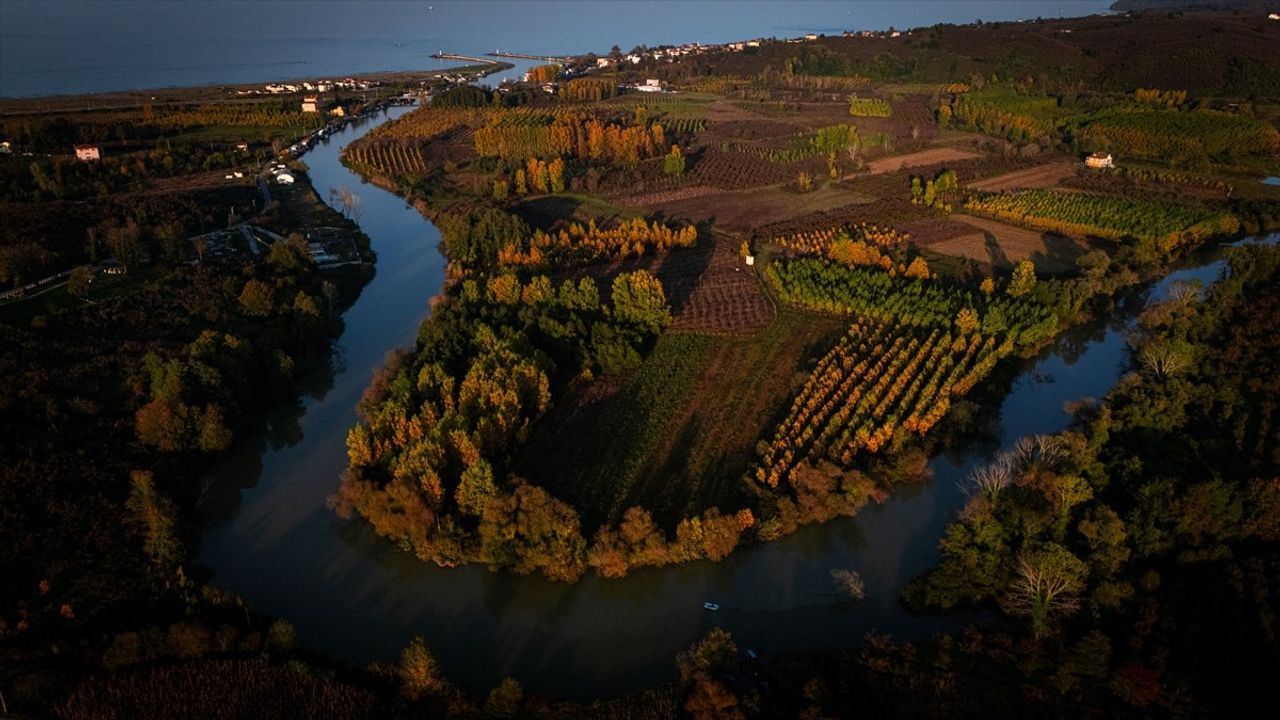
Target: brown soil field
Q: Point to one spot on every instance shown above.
(710, 287)
(725, 298)
(745, 210)
(1040, 176)
(1002, 246)
(917, 159)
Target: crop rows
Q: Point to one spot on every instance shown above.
(926, 88)
(1105, 216)
(388, 159)
(684, 124)
(870, 107)
(882, 377)
(1164, 135)
(867, 292)
(818, 242)
(238, 116)
(582, 244)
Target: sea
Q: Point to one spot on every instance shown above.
(58, 47)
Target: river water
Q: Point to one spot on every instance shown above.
(356, 597)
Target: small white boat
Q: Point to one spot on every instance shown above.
(710, 606)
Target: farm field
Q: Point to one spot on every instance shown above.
(1002, 245)
(932, 156)
(678, 435)
(1041, 176)
(745, 210)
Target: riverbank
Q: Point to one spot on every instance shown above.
(284, 551)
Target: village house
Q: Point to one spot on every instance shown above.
(309, 104)
(603, 62)
(88, 153)
(1100, 160)
(811, 36)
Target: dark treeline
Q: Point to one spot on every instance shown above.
(1135, 555)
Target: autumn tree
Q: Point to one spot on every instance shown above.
(504, 700)
(710, 699)
(419, 672)
(256, 298)
(152, 515)
(1023, 280)
(712, 655)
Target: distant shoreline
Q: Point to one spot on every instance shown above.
(117, 99)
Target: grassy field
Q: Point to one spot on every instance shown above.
(678, 434)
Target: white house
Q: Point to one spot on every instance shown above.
(284, 178)
(603, 62)
(811, 36)
(310, 103)
(1100, 160)
(88, 153)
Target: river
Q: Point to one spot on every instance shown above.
(356, 597)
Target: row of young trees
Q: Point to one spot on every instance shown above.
(1156, 96)
(869, 107)
(819, 242)
(1177, 137)
(238, 115)
(1001, 112)
(389, 159)
(866, 292)
(581, 136)
(883, 379)
(913, 347)
(589, 89)
(937, 193)
(580, 244)
(1107, 216)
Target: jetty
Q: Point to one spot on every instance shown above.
(522, 56)
(468, 58)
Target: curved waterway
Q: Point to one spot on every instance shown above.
(356, 597)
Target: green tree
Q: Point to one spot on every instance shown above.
(711, 655)
(152, 514)
(1047, 584)
(673, 164)
(1023, 280)
(638, 299)
(476, 488)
